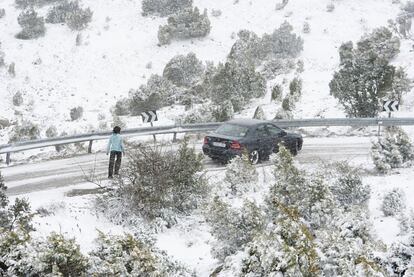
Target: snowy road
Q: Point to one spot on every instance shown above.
(70, 171)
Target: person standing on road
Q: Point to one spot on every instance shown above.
(116, 149)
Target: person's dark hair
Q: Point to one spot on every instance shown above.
(117, 130)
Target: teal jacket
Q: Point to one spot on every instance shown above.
(115, 143)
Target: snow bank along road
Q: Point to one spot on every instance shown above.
(59, 173)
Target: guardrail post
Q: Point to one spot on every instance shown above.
(175, 137)
(7, 158)
(90, 147)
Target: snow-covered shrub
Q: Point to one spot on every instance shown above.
(237, 83)
(216, 13)
(223, 111)
(393, 202)
(127, 255)
(348, 188)
(247, 49)
(164, 7)
(15, 228)
(259, 113)
(22, 4)
(400, 258)
(233, 228)
(71, 14)
(283, 114)
(27, 130)
(122, 107)
(51, 132)
(174, 176)
(309, 195)
(76, 113)
(282, 43)
(289, 103)
(200, 114)
(60, 256)
(281, 6)
(392, 151)
(184, 71)
(330, 7)
(2, 55)
(240, 173)
(306, 28)
(158, 92)
(277, 93)
(18, 99)
(365, 68)
(186, 24)
(277, 66)
(295, 88)
(32, 25)
(2, 13)
(12, 69)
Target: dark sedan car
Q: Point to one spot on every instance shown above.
(259, 138)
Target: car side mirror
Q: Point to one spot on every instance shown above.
(283, 133)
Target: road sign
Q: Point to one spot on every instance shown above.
(149, 116)
(390, 106)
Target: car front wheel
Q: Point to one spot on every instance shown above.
(254, 157)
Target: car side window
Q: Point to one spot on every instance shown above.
(273, 130)
(261, 131)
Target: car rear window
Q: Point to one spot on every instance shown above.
(232, 130)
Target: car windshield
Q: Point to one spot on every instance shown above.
(231, 130)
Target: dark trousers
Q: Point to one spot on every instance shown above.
(112, 162)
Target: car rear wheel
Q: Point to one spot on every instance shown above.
(254, 157)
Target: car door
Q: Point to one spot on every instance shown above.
(263, 140)
(276, 135)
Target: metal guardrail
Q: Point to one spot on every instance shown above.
(194, 128)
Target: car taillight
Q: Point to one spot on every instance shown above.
(235, 145)
(205, 140)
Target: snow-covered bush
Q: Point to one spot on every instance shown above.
(295, 88)
(2, 13)
(15, 228)
(127, 255)
(288, 103)
(393, 151)
(122, 107)
(237, 83)
(400, 258)
(32, 25)
(164, 7)
(365, 68)
(276, 66)
(330, 7)
(282, 43)
(233, 228)
(186, 24)
(12, 69)
(348, 188)
(60, 256)
(393, 202)
(200, 114)
(22, 4)
(308, 195)
(241, 174)
(184, 71)
(71, 14)
(277, 93)
(283, 114)
(18, 99)
(76, 113)
(306, 28)
(223, 111)
(157, 93)
(174, 176)
(27, 130)
(51, 132)
(2, 55)
(259, 113)
(216, 13)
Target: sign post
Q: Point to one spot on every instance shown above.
(150, 116)
(388, 106)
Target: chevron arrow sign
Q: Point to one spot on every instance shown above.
(390, 106)
(149, 116)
